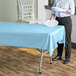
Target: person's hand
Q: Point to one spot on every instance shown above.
(52, 17)
(66, 10)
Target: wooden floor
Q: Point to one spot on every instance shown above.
(16, 61)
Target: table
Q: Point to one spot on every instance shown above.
(36, 36)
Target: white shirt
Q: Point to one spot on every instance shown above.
(69, 4)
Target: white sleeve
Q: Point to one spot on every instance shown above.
(72, 7)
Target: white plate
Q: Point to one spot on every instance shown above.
(51, 23)
(58, 9)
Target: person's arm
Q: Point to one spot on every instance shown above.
(71, 8)
(53, 12)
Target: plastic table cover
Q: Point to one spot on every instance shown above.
(31, 35)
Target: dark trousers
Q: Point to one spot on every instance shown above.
(67, 23)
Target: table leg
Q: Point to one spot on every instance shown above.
(41, 62)
(50, 59)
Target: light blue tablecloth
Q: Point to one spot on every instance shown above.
(31, 35)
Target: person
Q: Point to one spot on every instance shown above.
(64, 19)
